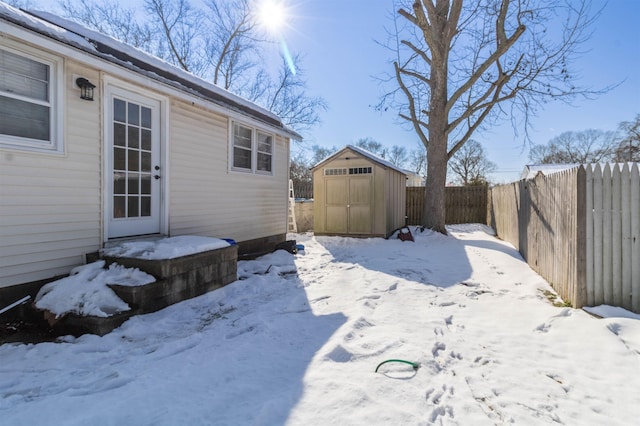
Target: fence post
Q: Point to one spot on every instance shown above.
(589, 263)
(635, 239)
(580, 296)
(626, 263)
(598, 286)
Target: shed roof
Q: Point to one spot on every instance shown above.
(365, 153)
(136, 60)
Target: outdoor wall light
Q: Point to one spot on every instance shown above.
(86, 88)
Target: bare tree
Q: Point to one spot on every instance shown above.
(286, 97)
(372, 146)
(584, 147)
(113, 19)
(628, 148)
(220, 42)
(398, 155)
(233, 45)
(461, 65)
(417, 161)
(319, 153)
(179, 26)
(470, 164)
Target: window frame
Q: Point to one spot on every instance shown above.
(255, 152)
(55, 104)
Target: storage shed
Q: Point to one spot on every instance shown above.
(358, 194)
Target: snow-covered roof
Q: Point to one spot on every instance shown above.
(115, 51)
(365, 153)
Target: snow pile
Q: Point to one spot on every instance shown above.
(606, 311)
(278, 262)
(85, 292)
(165, 248)
(281, 348)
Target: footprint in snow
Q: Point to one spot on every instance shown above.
(436, 397)
(437, 347)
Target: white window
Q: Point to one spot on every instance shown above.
(335, 172)
(252, 150)
(28, 102)
(265, 152)
(242, 143)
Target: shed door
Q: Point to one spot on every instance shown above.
(133, 166)
(348, 205)
(337, 199)
(359, 206)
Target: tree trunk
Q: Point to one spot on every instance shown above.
(434, 201)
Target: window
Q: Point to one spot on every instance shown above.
(265, 152)
(28, 102)
(252, 150)
(335, 172)
(242, 137)
(360, 171)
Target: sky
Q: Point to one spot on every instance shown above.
(343, 62)
(298, 338)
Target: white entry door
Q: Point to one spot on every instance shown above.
(134, 173)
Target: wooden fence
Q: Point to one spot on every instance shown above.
(303, 190)
(579, 229)
(464, 204)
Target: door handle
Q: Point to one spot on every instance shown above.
(156, 177)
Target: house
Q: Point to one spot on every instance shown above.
(356, 193)
(413, 178)
(101, 142)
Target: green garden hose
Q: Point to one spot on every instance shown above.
(415, 365)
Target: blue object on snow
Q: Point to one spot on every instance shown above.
(299, 247)
(230, 241)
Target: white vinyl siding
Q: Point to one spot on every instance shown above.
(50, 208)
(208, 200)
(30, 100)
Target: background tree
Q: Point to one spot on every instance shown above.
(398, 155)
(115, 20)
(373, 146)
(319, 153)
(583, 147)
(470, 166)
(417, 161)
(221, 42)
(301, 176)
(462, 65)
(628, 148)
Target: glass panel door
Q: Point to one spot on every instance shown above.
(135, 169)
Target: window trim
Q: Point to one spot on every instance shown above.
(55, 145)
(255, 132)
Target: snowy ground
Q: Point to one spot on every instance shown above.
(278, 347)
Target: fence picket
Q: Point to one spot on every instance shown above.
(635, 237)
(625, 243)
(580, 229)
(589, 262)
(607, 240)
(616, 238)
(464, 204)
(597, 236)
